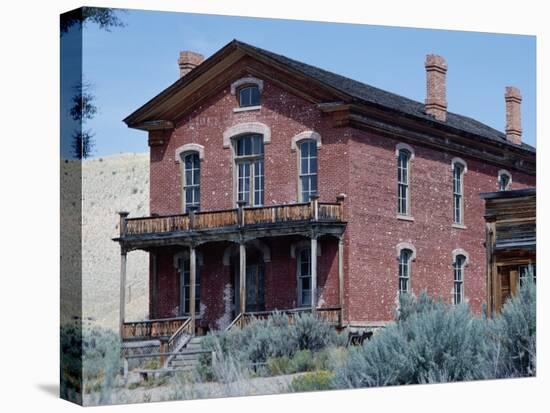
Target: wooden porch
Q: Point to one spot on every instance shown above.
(510, 242)
(240, 226)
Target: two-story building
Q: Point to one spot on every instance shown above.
(278, 185)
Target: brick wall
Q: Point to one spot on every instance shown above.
(360, 164)
(374, 230)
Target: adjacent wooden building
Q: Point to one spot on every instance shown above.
(511, 242)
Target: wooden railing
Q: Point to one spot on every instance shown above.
(148, 225)
(151, 329)
(176, 339)
(329, 314)
(215, 219)
(242, 216)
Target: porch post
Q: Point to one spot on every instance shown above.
(242, 276)
(122, 230)
(341, 278)
(122, 289)
(192, 282)
(314, 273)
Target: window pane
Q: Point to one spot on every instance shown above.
(254, 96)
(304, 166)
(313, 165)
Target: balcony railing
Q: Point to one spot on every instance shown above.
(242, 216)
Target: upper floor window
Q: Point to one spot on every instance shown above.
(308, 169)
(249, 163)
(405, 258)
(458, 193)
(458, 269)
(403, 173)
(504, 180)
(191, 180)
(249, 96)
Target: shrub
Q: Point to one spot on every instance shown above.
(430, 342)
(302, 361)
(433, 342)
(90, 356)
(513, 333)
(279, 365)
(311, 333)
(274, 337)
(318, 380)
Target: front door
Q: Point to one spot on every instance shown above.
(255, 300)
(255, 287)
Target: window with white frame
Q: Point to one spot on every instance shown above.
(308, 169)
(526, 271)
(458, 269)
(249, 96)
(304, 277)
(504, 181)
(184, 265)
(191, 180)
(405, 259)
(458, 193)
(249, 163)
(403, 176)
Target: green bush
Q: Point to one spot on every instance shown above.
(432, 342)
(279, 365)
(310, 333)
(513, 336)
(302, 361)
(90, 357)
(274, 337)
(318, 380)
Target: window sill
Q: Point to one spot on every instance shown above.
(247, 109)
(405, 217)
(459, 226)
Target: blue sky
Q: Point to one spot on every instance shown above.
(129, 65)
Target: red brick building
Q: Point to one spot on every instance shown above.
(279, 185)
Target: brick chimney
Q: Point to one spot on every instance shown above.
(512, 96)
(188, 61)
(436, 87)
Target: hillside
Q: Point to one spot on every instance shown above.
(109, 184)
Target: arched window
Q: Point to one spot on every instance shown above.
(403, 176)
(405, 258)
(249, 95)
(458, 269)
(458, 192)
(191, 180)
(504, 180)
(249, 163)
(308, 169)
(184, 270)
(303, 261)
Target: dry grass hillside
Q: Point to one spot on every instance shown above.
(109, 184)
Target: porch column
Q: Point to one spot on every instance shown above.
(341, 278)
(122, 228)
(122, 289)
(192, 282)
(242, 276)
(313, 251)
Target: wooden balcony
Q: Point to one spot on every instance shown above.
(221, 224)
